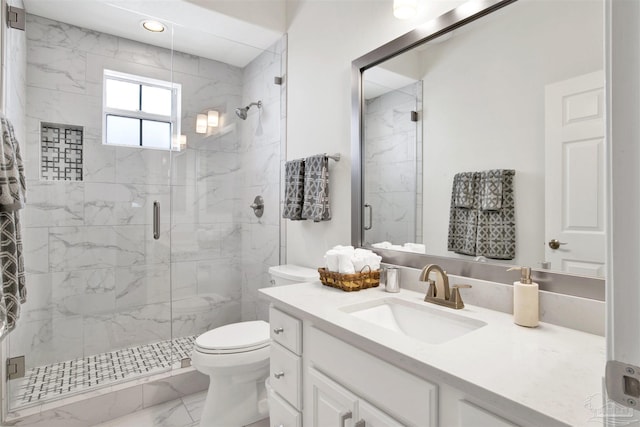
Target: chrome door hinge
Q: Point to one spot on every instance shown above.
(15, 367)
(15, 18)
(414, 116)
(277, 80)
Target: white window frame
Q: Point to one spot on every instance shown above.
(172, 119)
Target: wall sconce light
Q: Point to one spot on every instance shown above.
(179, 143)
(201, 123)
(205, 121)
(213, 118)
(405, 9)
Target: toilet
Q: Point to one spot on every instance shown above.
(236, 359)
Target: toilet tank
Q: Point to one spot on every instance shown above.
(289, 274)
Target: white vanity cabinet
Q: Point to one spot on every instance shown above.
(329, 404)
(383, 393)
(331, 383)
(334, 405)
(285, 369)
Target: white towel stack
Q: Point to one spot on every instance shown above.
(347, 260)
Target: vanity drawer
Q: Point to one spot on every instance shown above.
(286, 330)
(286, 374)
(281, 414)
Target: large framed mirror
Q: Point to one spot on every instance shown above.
(513, 88)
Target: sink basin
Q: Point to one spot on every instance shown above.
(418, 321)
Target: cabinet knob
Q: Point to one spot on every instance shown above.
(278, 330)
(278, 375)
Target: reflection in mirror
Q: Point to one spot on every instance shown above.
(392, 156)
(521, 89)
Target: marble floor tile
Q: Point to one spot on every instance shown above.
(195, 403)
(183, 412)
(169, 414)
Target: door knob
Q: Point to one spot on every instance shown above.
(555, 243)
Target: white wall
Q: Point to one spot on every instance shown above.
(484, 95)
(324, 37)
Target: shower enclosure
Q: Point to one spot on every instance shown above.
(136, 242)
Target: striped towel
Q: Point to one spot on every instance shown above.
(316, 189)
(294, 189)
(12, 199)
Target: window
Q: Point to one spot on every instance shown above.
(137, 111)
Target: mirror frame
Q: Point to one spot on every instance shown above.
(563, 283)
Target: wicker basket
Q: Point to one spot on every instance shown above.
(350, 282)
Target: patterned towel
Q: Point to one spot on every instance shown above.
(12, 198)
(491, 189)
(497, 228)
(316, 189)
(294, 189)
(463, 221)
(464, 189)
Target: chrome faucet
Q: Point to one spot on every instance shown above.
(439, 292)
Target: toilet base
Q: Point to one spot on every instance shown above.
(231, 404)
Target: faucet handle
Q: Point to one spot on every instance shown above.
(456, 299)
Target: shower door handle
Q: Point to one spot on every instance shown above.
(370, 226)
(156, 220)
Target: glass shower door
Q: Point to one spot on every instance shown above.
(98, 310)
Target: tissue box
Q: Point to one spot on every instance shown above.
(350, 282)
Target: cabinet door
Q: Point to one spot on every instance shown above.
(331, 404)
(370, 416)
(473, 416)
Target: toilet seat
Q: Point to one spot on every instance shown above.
(234, 338)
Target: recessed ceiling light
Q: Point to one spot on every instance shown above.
(153, 26)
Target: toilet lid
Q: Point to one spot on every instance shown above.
(236, 337)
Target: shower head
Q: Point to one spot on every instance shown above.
(242, 112)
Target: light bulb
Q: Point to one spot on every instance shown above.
(405, 9)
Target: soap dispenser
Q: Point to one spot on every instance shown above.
(525, 299)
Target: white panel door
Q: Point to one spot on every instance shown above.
(331, 404)
(575, 175)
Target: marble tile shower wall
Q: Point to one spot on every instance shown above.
(261, 154)
(97, 279)
(16, 76)
(391, 174)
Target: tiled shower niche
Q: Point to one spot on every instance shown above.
(60, 152)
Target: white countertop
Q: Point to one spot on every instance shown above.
(549, 369)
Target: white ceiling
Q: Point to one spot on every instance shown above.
(198, 29)
(378, 81)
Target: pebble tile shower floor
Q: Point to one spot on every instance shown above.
(64, 379)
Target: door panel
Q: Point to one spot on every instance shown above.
(575, 175)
